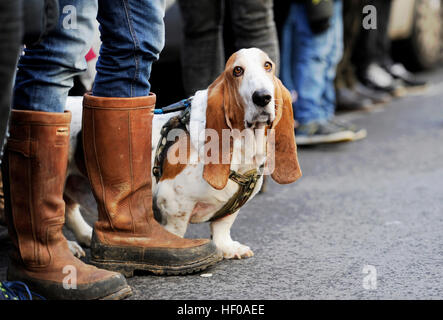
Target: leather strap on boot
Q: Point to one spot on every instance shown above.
(34, 171)
(117, 148)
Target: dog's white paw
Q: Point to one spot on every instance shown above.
(235, 250)
(76, 249)
(85, 237)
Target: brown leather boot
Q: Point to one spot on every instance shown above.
(117, 147)
(34, 172)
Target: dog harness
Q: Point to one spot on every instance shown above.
(246, 181)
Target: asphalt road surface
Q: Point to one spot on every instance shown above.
(364, 222)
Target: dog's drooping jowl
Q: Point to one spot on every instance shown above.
(197, 179)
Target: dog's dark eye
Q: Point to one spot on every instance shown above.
(268, 66)
(238, 71)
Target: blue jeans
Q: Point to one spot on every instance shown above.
(132, 34)
(309, 63)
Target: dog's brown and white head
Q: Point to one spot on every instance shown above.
(248, 95)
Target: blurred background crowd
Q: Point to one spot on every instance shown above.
(333, 55)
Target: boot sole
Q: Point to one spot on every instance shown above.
(128, 268)
(119, 295)
(55, 291)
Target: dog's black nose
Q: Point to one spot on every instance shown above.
(261, 98)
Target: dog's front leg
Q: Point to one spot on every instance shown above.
(175, 215)
(177, 224)
(221, 235)
(76, 223)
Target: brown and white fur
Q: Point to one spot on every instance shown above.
(192, 192)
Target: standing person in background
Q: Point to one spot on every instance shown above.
(11, 34)
(312, 46)
(203, 55)
(351, 93)
(372, 55)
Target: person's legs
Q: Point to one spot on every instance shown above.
(346, 73)
(45, 73)
(348, 98)
(287, 50)
(329, 96)
(117, 133)
(366, 50)
(35, 163)
(202, 50)
(309, 67)
(373, 52)
(254, 26)
(313, 78)
(335, 32)
(11, 34)
(352, 21)
(132, 34)
(395, 69)
(383, 41)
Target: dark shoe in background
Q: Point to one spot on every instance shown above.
(351, 100)
(398, 71)
(377, 96)
(375, 77)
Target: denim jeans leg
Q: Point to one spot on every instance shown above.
(202, 49)
(287, 52)
(45, 73)
(133, 35)
(336, 33)
(309, 67)
(253, 25)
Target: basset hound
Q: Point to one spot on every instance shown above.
(235, 130)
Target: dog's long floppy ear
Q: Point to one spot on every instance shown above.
(286, 166)
(217, 167)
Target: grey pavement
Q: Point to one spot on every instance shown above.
(377, 202)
